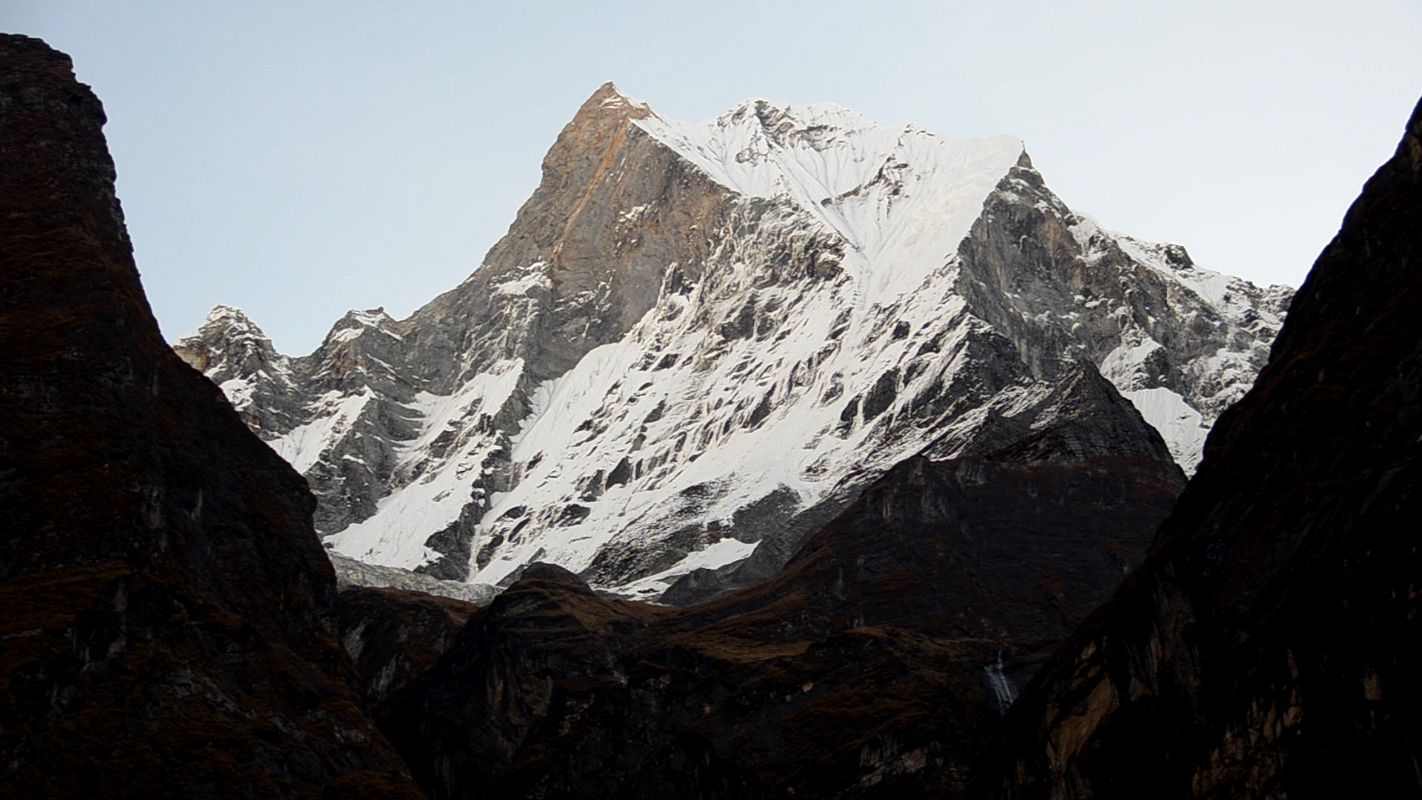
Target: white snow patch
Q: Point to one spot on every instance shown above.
(1182, 427)
(717, 554)
(533, 277)
(1124, 366)
(902, 197)
(395, 535)
(302, 446)
(238, 391)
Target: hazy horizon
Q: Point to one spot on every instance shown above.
(298, 162)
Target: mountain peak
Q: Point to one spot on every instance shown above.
(226, 314)
(224, 321)
(690, 323)
(609, 99)
(230, 349)
(358, 321)
(371, 317)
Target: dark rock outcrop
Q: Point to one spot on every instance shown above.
(166, 605)
(1270, 645)
(875, 665)
(236, 355)
(1062, 289)
(395, 635)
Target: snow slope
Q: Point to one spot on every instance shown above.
(696, 338)
(902, 197)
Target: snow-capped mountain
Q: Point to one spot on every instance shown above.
(700, 339)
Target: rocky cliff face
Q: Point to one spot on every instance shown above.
(1270, 646)
(167, 607)
(698, 343)
(1182, 343)
(874, 665)
(395, 635)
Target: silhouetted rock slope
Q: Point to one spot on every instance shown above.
(1270, 645)
(164, 602)
(395, 635)
(875, 665)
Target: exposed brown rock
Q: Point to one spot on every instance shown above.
(166, 605)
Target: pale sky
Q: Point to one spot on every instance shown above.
(300, 159)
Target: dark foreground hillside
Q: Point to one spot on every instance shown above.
(1270, 646)
(165, 607)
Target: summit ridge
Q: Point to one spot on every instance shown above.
(698, 342)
